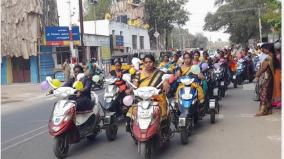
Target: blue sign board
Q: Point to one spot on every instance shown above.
(61, 33)
(119, 40)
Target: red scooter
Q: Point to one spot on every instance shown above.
(148, 130)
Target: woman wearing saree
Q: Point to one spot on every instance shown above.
(150, 76)
(264, 76)
(185, 70)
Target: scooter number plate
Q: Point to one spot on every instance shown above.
(222, 83)
(144, 113)
(215, 92)
(234, 77)
(212, 105)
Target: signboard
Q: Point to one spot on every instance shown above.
(117, 41)
(105, 53)
(60, 36)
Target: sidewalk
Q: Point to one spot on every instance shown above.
(20, 92)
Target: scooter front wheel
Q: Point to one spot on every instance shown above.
(184, 135)
(212, 116)
(61, 146)
(145, 150)
(111, 132)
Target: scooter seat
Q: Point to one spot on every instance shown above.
(84, 111)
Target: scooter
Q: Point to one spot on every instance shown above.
(69, 126)
(241, 71)
(149, 131)
(111, 94)
(187, 105)
(98, 80)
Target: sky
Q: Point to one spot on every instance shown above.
(197, 8)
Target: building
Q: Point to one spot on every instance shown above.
(22, 28)
(123, 37)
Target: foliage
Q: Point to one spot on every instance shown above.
(239, 18)
(166, 14)
(101, 8)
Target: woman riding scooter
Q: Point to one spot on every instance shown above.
(118, 73)
(83, 97)
(150, 76)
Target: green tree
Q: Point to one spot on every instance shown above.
(237, 17)
(101, 8)
(272, 14)
(166, 14)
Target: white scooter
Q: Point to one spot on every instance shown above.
(69, 126)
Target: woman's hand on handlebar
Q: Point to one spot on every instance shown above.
(166, 87)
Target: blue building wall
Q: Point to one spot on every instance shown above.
(34, 69)
(4, 71)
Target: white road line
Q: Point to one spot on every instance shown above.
(246, 115)
(25, 140)
(274, 138)
(14, 138)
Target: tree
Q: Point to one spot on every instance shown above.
(237, 17)
(165, 14)
(101, 8)
(272, 15)
(182, 38)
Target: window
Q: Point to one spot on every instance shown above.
(141, 42)
(62, 53)
(113, 32)
(134, 41)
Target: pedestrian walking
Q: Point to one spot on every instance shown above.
(67, 69)
(265, 78)
(276, 99)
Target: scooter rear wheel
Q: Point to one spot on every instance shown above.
(61, 146)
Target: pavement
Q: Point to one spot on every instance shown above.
(237, 134)
(20, 92)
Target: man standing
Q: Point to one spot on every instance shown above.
(67, 69)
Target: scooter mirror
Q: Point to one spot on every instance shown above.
(80, 76)
(166, 77)
(126, 77)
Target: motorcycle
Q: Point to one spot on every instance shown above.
(241, 71)
(69, 126)
(211, 98)
(148, 130)
(219, 78)
(233, 69)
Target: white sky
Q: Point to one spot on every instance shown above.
(197, 8)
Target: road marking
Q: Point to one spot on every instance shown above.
(249, 87)
(14, 138)
(273, 119)
(274, 138)
(246, 115)
(25, 140)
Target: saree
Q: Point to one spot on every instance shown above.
(200, 95)
(277, 88)
(153, 80)
(266, 85)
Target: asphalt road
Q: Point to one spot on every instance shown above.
(236, 134)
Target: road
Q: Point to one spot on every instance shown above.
(236, 134)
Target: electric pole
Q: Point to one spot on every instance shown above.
(259, 23)
(82, 31)
(73, 55)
